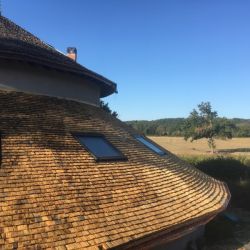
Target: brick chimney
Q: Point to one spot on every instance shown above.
(72, 53)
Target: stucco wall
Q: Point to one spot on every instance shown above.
(32, 79)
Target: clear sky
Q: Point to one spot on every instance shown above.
(165, 55)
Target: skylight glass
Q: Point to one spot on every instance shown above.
(100, 147)
(150, 145)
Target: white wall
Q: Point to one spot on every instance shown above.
(32, 79)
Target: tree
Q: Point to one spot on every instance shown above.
(205, 123)
(105, 107)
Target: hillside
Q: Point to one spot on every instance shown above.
(173, 127)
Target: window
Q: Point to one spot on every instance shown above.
(150, 145)
(99, 147)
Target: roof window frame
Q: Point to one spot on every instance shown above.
(120, 157)
(164, 152)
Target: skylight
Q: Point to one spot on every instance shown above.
(99, 147)
(150, 145)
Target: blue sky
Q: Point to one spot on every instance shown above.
(166, 56)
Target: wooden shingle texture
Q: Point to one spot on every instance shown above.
(18, 44)
(54, 195)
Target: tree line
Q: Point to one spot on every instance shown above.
(179, 126)
(175, 126)
(202, 122)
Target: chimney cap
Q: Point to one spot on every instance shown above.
(72, 50)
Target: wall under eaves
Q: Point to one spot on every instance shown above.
(37, 80)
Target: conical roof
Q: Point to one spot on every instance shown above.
(54, 195)
(18, 44)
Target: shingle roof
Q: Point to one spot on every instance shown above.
(18, 44)
(54, 194)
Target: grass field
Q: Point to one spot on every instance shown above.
(177, 145)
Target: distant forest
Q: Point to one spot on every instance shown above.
(173, 127)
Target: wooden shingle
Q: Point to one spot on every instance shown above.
(54, 195)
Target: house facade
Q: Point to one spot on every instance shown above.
(74, 177)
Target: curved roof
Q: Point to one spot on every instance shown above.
(18, 44)
(53, 192)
